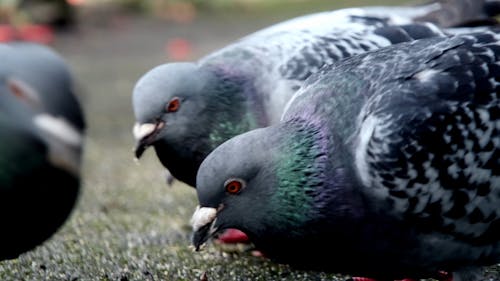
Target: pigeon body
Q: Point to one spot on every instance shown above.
(386, 162)
(185, 110)
(40, 155)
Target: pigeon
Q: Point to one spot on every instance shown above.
(186, 109)
(387, 163)
(40, 149)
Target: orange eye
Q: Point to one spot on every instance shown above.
(173, 105)
(233, 186)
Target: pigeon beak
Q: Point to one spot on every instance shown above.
(64, 142)
(203, 222)
(145, 135)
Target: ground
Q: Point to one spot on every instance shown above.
(128, 224)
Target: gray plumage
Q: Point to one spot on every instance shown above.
(247, 84)
(387, 162)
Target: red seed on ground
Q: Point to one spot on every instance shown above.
(233, 236)
(178, 49)
(7, 33)
(42, 34)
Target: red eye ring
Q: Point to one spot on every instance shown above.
(173, 105)
(233, 186)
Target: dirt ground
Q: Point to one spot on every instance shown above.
(128, 224)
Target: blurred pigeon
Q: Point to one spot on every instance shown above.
(387, 162)
(187, 109)
(41, 133)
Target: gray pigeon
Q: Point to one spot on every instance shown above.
(185, 110)
(41, 131)
(387, 163)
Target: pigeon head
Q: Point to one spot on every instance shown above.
(24, 104)
(234, 185)
(271, 184)
(185, 110)
(163, 101)
(39, 67)
(56, 112)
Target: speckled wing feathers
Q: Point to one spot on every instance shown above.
(429, 149)
(302, 46)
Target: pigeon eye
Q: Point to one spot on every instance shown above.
(233, 186)
(16, 90)
(23, 91)
(173, 105)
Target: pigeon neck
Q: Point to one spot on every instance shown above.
(308, 180)
(316, 173)
(234, 105)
